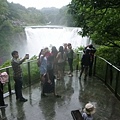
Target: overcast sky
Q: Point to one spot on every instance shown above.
(41, 3)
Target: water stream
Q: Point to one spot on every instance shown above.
(40, 37)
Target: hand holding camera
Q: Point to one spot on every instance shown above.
(27, 56)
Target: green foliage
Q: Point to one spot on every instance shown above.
(6, 64)
(33, 58)
(22, 16)
(78, 55)
(79, 49)
(99, 20)
(56, 16)
(110, 54)
(34, 73)
(3, 7)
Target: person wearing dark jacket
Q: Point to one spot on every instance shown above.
(85, 62)
(92, 51)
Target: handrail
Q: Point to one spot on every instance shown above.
(108, 73)
(23, 63)
(31, 74)
(102, 69)
(109, 63)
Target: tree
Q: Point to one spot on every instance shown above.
(99, 19)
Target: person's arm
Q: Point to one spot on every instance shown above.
(58, 56)
(94, 50)
(49, 81)
(82, 59)
(84, 116)
(47, 75)
(15, 63)
(65, 56)
(85, 49)
(72, 53)
(21, 61)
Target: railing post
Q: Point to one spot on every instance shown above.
(111, 75)
(94, 66)
(106, 73)
(77, 62)
(29, 76)
(9, 83)
(116, 86)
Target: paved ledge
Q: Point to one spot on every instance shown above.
(75, 94)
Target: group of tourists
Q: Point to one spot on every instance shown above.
(50, 63)
(87, 61)
(52, 66)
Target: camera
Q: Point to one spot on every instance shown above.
(27, 56)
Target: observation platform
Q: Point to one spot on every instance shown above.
(75, 94)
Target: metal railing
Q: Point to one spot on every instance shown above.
(31, 75)
(30, 72)
(108, 73)
(102, 69)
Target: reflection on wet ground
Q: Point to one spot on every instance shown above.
(75, 94)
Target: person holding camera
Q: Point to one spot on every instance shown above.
(17, 74)
(92, 51)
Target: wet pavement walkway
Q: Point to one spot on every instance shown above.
(75, 94)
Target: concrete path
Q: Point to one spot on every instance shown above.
(75, 94)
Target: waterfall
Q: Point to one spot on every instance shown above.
(40, 37)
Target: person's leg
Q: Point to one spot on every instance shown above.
(58, 74)
(86, 72)
(2, 103)
(61, 70)
(55, 68)
(52, 86)
(18, 89)
(43, 90)
(81, 71)
(71, 66)
(90, 69)
(1, 95)
(16, 92)
(64, 66)
(42, 85)
(54, 89)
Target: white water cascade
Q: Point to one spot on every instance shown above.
(40, 37)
